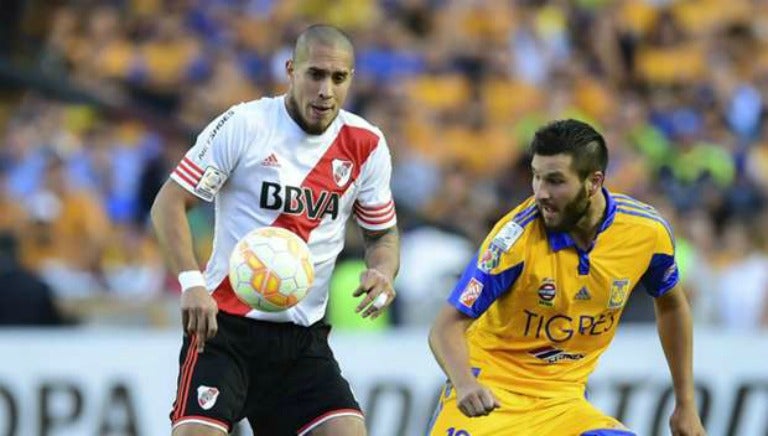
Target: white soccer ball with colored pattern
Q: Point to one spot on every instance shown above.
(270, 269)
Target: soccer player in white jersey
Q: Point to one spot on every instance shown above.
(299, 162)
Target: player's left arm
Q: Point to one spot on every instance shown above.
(382, 259)
(673, 319)
(374, 211)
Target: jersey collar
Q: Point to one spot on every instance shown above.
(561, 240)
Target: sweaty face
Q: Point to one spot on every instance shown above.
(560, 194)
(319, 81)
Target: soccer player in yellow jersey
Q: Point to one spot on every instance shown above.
(531, 315)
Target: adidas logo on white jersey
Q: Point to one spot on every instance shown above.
(583, 294)
(271, 161)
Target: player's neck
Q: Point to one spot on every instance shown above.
(586, 229)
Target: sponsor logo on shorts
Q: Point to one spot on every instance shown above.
(471, 293)
(206, 396)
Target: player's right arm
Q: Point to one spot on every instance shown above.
(491, 274)
(449, 346)
(169, 217)
(200, 175)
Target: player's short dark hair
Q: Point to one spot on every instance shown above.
(575, 138)
(323, 34)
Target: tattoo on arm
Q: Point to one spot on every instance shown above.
(382, 249)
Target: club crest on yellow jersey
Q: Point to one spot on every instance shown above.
(547, 292)
(619, 291)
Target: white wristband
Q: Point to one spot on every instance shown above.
(191, 279)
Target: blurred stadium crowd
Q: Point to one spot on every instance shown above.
(458, 86)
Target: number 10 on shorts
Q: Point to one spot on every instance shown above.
(455, 432)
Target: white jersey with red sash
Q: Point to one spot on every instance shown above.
(262, 169)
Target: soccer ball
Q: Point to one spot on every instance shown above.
(270, 269)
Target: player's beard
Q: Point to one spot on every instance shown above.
(298, 116)
(572, 213)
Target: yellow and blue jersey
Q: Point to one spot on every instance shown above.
(546, 309)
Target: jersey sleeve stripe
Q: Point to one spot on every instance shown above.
(184, 176)
(625, 199)
(525, 213)
(638, 206)
(192, 173)
(195, 169)
(527, 220)
(370, 209)
(648, 215)
(189, 170)
(380, 220)
(379, 213)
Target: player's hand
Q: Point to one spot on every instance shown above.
(379, 293)
(198, 315)
(476, 399)
(685, 421)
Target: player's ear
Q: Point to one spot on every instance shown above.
(289, 67)
(595, 182)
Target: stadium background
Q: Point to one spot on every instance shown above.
(98, 101)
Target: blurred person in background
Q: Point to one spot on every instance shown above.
(527, 322)
(248, 161)
(67, 235)
(27, 301)
(14, 218)
(435, 257)
(742, 282)
(701, 281)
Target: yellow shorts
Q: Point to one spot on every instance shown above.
(523, 415)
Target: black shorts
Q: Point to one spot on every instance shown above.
(281, 376)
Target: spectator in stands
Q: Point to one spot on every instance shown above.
(742, 300)
(27, 301)
(68, 232)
